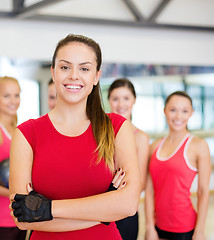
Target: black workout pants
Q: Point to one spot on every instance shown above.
(12, 233)
(174, 236)
(128, 227)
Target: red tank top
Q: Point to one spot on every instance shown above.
(172, 179)
(65, 168)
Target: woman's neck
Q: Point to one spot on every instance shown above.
(177, 135)
(70, 121)
(7, 122)
(70, 113)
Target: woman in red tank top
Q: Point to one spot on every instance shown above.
(70, 156)
(174, 162)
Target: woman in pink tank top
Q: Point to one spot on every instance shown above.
(174, 162)
(9, 103)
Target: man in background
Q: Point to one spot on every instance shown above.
(51, 94)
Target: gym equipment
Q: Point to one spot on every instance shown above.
(4, 172)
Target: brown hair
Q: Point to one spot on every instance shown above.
(101, 124)
(121, 82)
(178, 93)
(6, 79)
(50, 82)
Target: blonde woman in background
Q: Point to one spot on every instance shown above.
(9, 104)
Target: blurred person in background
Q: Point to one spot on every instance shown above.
(174, 162)
(51, 94)
(9, 104)
(122, 97)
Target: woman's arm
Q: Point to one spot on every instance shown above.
(151, 233)
(142, 142)
(204, 171)
(114, 205)
(62, 225)
(104, 207)
(4, 191)
(56, 225)
(21, 159)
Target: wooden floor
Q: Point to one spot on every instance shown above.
(209, 227)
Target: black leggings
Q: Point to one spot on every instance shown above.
(128, 227)
(174, 236)
(12, 233)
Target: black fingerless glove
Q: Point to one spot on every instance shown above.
(32, 208)
(111, 188)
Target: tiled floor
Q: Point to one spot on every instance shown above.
(209, 228)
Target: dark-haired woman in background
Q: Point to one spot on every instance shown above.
(122, 96)
(51, 94)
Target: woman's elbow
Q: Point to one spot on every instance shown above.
(132, 205)
(203, 192)
(132, 211)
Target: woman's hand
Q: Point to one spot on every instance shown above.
(198, 236)
(151, 234)
(118, 179)
(32, 207)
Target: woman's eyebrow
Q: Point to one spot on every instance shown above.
(85, 63)
(62, 60)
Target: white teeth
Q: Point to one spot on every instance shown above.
(73, 87)
(121, 110)
(178, 122)
(12, 107)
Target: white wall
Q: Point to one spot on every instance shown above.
(37, 40)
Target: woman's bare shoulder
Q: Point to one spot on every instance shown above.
(199, 144)
(141, 135)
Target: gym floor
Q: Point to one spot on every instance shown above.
(209, 227)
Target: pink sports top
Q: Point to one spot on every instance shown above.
(5, 145)
(5, 218)
(172, 179)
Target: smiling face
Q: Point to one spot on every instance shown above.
(121, 101)
(9, 97)
(178, 110)
(75, 72)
